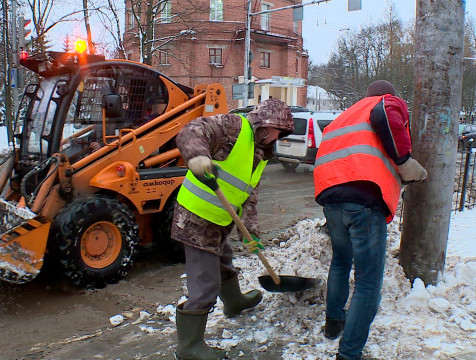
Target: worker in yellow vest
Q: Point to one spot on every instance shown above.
(237, 148)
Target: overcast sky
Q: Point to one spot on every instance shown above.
(324, 23)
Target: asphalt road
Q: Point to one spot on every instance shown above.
(50, 319)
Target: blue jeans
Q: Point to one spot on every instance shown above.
(358, 233)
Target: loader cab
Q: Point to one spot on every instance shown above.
(63, 112)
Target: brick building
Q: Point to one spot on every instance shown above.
(203, 41)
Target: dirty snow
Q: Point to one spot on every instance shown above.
(436, 322)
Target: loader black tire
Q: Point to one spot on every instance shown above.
(173, 250)
(97, 241)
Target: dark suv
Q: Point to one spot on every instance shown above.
(467, 136)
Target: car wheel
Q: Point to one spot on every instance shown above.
(289, 165)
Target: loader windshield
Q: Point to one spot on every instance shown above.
(65, 111)
(39, 118)
(143, 95)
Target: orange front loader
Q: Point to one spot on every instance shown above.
(95, 169)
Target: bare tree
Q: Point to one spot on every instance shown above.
(91, 47)
(468, 99)
(42, 23)
(110, 18)
(144, 18)
(437, 99)
(377, 51)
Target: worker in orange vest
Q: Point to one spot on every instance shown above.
(362, 162)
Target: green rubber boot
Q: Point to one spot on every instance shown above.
(190, 328)
(234, 301)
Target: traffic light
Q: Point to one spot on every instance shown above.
(23, 32)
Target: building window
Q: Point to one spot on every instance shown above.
(265, 58)
(216, 10)
(132, 20)
(163, 57)
(215, 56)
(266, 17)
(297, 65)
(166, 12)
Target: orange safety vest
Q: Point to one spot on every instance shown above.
(351, 151)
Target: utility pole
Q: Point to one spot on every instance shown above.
(248, 55)
(14, 69)
(247, 69)
(439, 36)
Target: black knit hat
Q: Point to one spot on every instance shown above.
(380, 87)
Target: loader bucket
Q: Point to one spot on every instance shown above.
(22, 243)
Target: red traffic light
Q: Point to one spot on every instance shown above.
(23, 55)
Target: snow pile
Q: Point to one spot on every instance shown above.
(11, 216)
(437, 322)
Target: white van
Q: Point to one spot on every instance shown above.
(301, 146)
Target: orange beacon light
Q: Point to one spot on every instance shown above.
(80, 46)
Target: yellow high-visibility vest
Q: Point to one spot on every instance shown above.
(236, 179)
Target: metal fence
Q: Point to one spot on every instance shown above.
(464, 196)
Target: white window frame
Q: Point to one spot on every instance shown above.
(216, 10)
(263, 56)
(266, 17)
(132, 20)
(166, 13)
(220, 63)
(163, 55)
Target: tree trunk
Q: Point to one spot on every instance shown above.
(435, 118)
(149, 33)
(91, 48)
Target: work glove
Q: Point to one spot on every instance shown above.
(200, 165)
(254, 245)
(411, 170)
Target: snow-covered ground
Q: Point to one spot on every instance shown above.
(436, 322)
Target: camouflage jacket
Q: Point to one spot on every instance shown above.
(215, 137)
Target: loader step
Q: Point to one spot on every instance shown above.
(161, 173)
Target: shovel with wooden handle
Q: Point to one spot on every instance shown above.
(246, 233)
(273, 282)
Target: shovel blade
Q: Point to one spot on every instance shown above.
(288, 283)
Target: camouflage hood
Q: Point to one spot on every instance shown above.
(271, 113)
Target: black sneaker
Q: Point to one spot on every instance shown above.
(333, 328)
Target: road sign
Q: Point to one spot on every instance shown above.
(13, 78)
(238, 91)
(353, 5)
